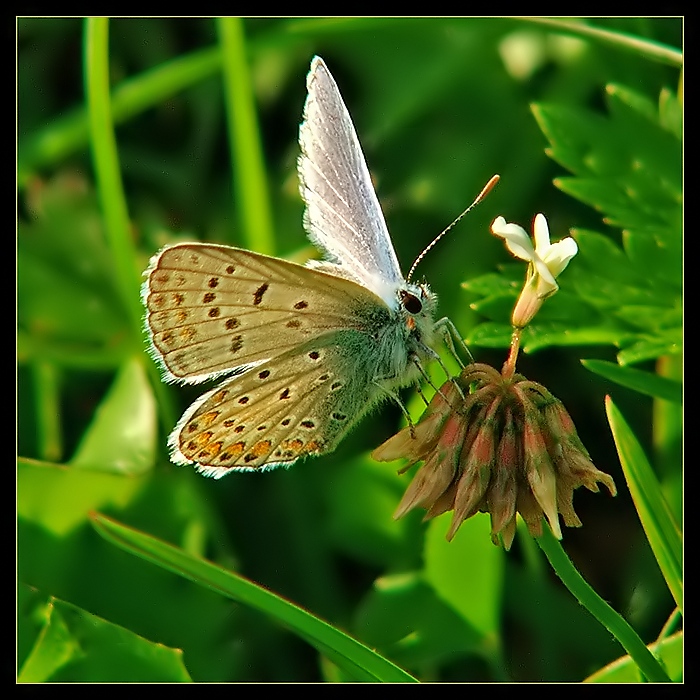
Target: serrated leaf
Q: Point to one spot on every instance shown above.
(542, 336)
(637, 122)
(661, 530)
(651, 318)
(599, 253)
(603, 194)
(666, 343)
(496, 307)
(568, 132)
(627, 166)
(490, 335)
(643, 382)
(659, 256)
(640, 104)
(495, 284)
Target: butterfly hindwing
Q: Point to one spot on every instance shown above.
(300, 404)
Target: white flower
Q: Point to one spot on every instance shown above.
(547, 261)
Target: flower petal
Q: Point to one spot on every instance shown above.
(546, 276)
(559, 254)
(540, 229)
(517, 240)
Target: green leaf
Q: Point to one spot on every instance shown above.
(659, 257)
(627, 165)
(351, 656)
(643, 382)
(600, 254)
(490, 335)
(536, 336)
(509, 281)
(59, 498)
(76, 646)
(369, 533)
(496, 308)
(668, 342)
(473, 592)
(661, 530)
(122, 436)
(404, 616)
(654, 318)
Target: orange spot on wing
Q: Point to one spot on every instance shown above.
(260, 449)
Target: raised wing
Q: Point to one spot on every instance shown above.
(343, 216)
(214, 309)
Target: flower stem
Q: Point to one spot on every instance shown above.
(606, 615)
(509, 367)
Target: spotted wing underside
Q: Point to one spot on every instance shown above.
(213, 309)
(297, 405)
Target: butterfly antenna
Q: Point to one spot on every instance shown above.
(487, 188)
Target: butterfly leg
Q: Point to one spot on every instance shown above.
(449, 334)
(448, 330)
(428, 380)
(397, 400)
(421, 394)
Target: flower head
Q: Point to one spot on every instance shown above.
(495, 443)
(547, 261)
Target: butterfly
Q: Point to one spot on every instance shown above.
(306, 350)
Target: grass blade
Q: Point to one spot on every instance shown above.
(360, 662)
(661, 530)
(643, 382)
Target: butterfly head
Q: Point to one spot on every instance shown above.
(417, 306)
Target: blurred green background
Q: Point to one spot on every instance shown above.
(440, 105)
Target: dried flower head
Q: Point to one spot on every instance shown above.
(495, 443)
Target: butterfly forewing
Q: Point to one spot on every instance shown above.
(343, 215)
(214, 309)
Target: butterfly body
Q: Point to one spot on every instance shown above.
(304, 351)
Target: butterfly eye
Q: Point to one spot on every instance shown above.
(411, 302)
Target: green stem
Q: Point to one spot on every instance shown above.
(46, 384)
(608, 617)
(107, 171)
(252, 200)
(652, 50)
